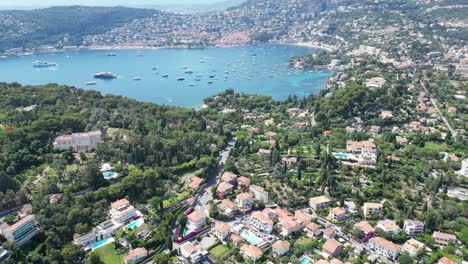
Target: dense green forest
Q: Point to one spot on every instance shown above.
(153, 144)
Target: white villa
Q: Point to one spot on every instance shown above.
(79, 142)
(413, 227)
(122, 211)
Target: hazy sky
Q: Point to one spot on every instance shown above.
(33, 3)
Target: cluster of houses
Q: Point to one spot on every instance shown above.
(245, 198)
(267, 229)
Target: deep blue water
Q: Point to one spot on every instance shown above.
(256, 69)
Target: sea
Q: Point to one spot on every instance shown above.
(259, 69)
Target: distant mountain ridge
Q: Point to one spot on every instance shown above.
(62, 24)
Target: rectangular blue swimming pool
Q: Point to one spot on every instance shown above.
(102, 243)
(136, 223)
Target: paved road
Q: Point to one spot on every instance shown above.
(434, 103)
(207, 195)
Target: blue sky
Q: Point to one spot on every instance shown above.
(33, 3)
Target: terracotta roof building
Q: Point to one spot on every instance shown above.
(385, 247)
(136, 255)
(252, 252)
(332, 248)
(280, 247)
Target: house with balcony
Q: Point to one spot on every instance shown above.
(136, 255)
(370, 209)
(222, 231)
(260, 222)
(227, 207)
(280, 248)
(244, 201)
(259, 193)
(331, 248)
(196, 220)
(122, 211)
(224, 189)
(319, 202)
(251, 252)
(384, 247)
(388, 226)
(193, 252)
(313, 230)
(443, 239)
(337, 214)
(365, 227)
(413, 247)
(413, 227)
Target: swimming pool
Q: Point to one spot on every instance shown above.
(305, 260)
(341, 155)
(108, 175)
(250, 237)
(136, 223)
(102, 243)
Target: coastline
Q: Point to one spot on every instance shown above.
(314, 45)
(143, 47)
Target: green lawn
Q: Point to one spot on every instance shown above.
(108, 256)
(304, 150)
(219, 251)
(433, 146)
(173, 200)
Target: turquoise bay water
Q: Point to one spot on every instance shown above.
(256, 69)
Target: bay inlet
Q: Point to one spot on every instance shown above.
(180, 77)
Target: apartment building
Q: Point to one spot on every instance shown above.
(370, 209)
(319, 202)
(384, 247)
(22, 231)
(261, 222)
(443, 239)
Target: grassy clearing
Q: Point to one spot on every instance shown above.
(219, 251)
(173, 200)
(108, 255)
